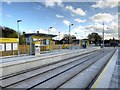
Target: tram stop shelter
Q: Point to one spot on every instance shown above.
(39, 42)
(84, 43)
(8, 46)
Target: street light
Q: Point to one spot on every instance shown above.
(103, 36)
(49, 33)
(59, 35)
(18, 35)
(69, 31)
(85, 34)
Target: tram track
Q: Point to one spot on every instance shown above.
(53, 72)
(36, 72)
(27, 62)
(66, 76)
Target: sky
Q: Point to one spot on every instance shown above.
(86, 17)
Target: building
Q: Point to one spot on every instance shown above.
(8, 46)
(39, 42)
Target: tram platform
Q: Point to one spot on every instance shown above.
(109, 77)
(22, 63)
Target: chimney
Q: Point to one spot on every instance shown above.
(37, 31)
(23, 33)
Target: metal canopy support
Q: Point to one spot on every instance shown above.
(32, 51)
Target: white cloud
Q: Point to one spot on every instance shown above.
(52, 3)
(79, 32)
(109, 29)
(8, 15)
(96, 27)
(102, 17)
(77, 11)
(30, 31)
(79, 20)
(111, 36)
(59, 36)
(37, 7)
(72, 15)
(53, 31)
(66, 22)
(42, 31)
(50, 31)
(57, 32)
(59, 16)
(8, 1)
(106, 4)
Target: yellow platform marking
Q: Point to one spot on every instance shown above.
(101, 75)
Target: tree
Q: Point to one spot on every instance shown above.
(8, 33)
(95, 38)
(22, 39)
(68, 38)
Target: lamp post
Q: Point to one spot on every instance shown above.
(59, 40)
(69, 31)
(49, 33)
(103, 36)
(85, 34)
(59, 35)
(18, 35)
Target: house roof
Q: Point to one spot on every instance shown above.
(39, 34)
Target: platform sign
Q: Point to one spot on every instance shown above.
(8, 47)
(15, 46)
(2, 47)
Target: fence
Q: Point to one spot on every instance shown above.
(25, 49)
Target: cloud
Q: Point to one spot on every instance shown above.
(37, 7)
(77, 11)
(8, 15)
(96, 27)
(66, 22)
(53, 31)
(79, 20)
(57, 32)
(42, 31)
(106, 4)
(102, 17)
(8, 1)
(109, 29)
(79, 32)
(72, 15)
(30, 31)
(111, 36)
(52, 3)
(59, 16)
